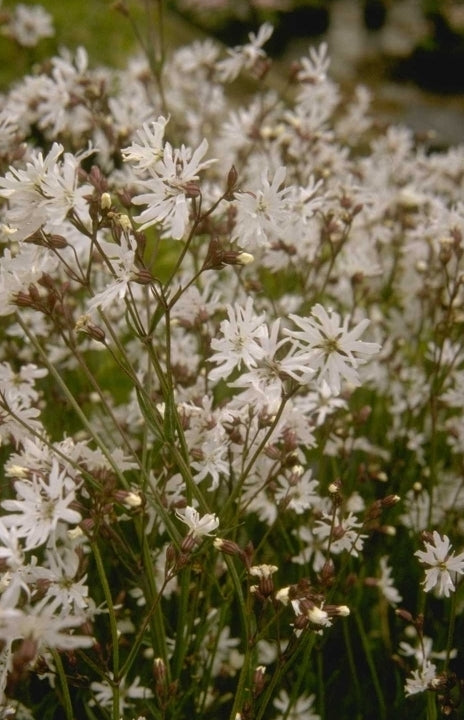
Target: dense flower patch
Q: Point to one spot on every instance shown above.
(231, 392)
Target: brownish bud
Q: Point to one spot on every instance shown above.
(191, 189)
(390, 500)
(231, 183)
(404, 615)
(228, 547)
(85, 325)
(142, 277)
(258, 680)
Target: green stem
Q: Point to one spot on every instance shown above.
(371, 664)
(113, 627)
(431, 706)
(452, 622)
(157, 621)
(67, 704)
(71, 399)
(138, 638)
(352, 665)
(297, 646)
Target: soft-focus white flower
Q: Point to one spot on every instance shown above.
(244, 56)
(420, 679)
(43, 626)
(385, 583)
(103, 694)
(29, 24)
(41, 505)
(301, 709)
(121, 259)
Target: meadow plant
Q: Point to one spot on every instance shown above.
(231, 391)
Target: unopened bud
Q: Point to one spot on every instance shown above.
(57, 241)
(85, 325)
(231, 183)
(244, 258)
(191, 189)
(142, 277)
(129, 499)
(75, 533)
(317, 616)
(258, 680)
(228, 547)
(390, 500)
(105, 201)
(159, 670)
(283, 595)
(337, 610)
(404, 615)
(124, 222)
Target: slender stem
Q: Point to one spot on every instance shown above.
(159, 631)
(372, 668)
(296, 646)
(138, 638)
(72, 400)
(64, 685)
(452, 622)
(113, 627)
(431, 706)
(238, 487)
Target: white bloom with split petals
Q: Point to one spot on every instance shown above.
(336, 352)
(244, 56)
(263, 214)
(40, 505)
(168, 190)
(442, 564)
(199, 526)
(239, 342)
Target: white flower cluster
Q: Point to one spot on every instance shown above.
(156, 385)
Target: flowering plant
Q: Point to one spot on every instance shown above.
(230, 392)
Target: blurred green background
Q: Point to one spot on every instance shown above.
(95, 24)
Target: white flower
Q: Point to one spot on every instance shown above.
(122, 261)
(44, 191)
(300, 709)
(28, 25)
(336, 352)
(239, 342)
(103, 694)
(442, 563)
(244, 56)
(344, 535)
(198, 526)
(169, 187)
(41, 505)
(385, 583)
(213, 458)
(145, 155)
(41, 625)
(420, 679)
(262, 215)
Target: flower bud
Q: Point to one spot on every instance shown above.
(85, 325)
